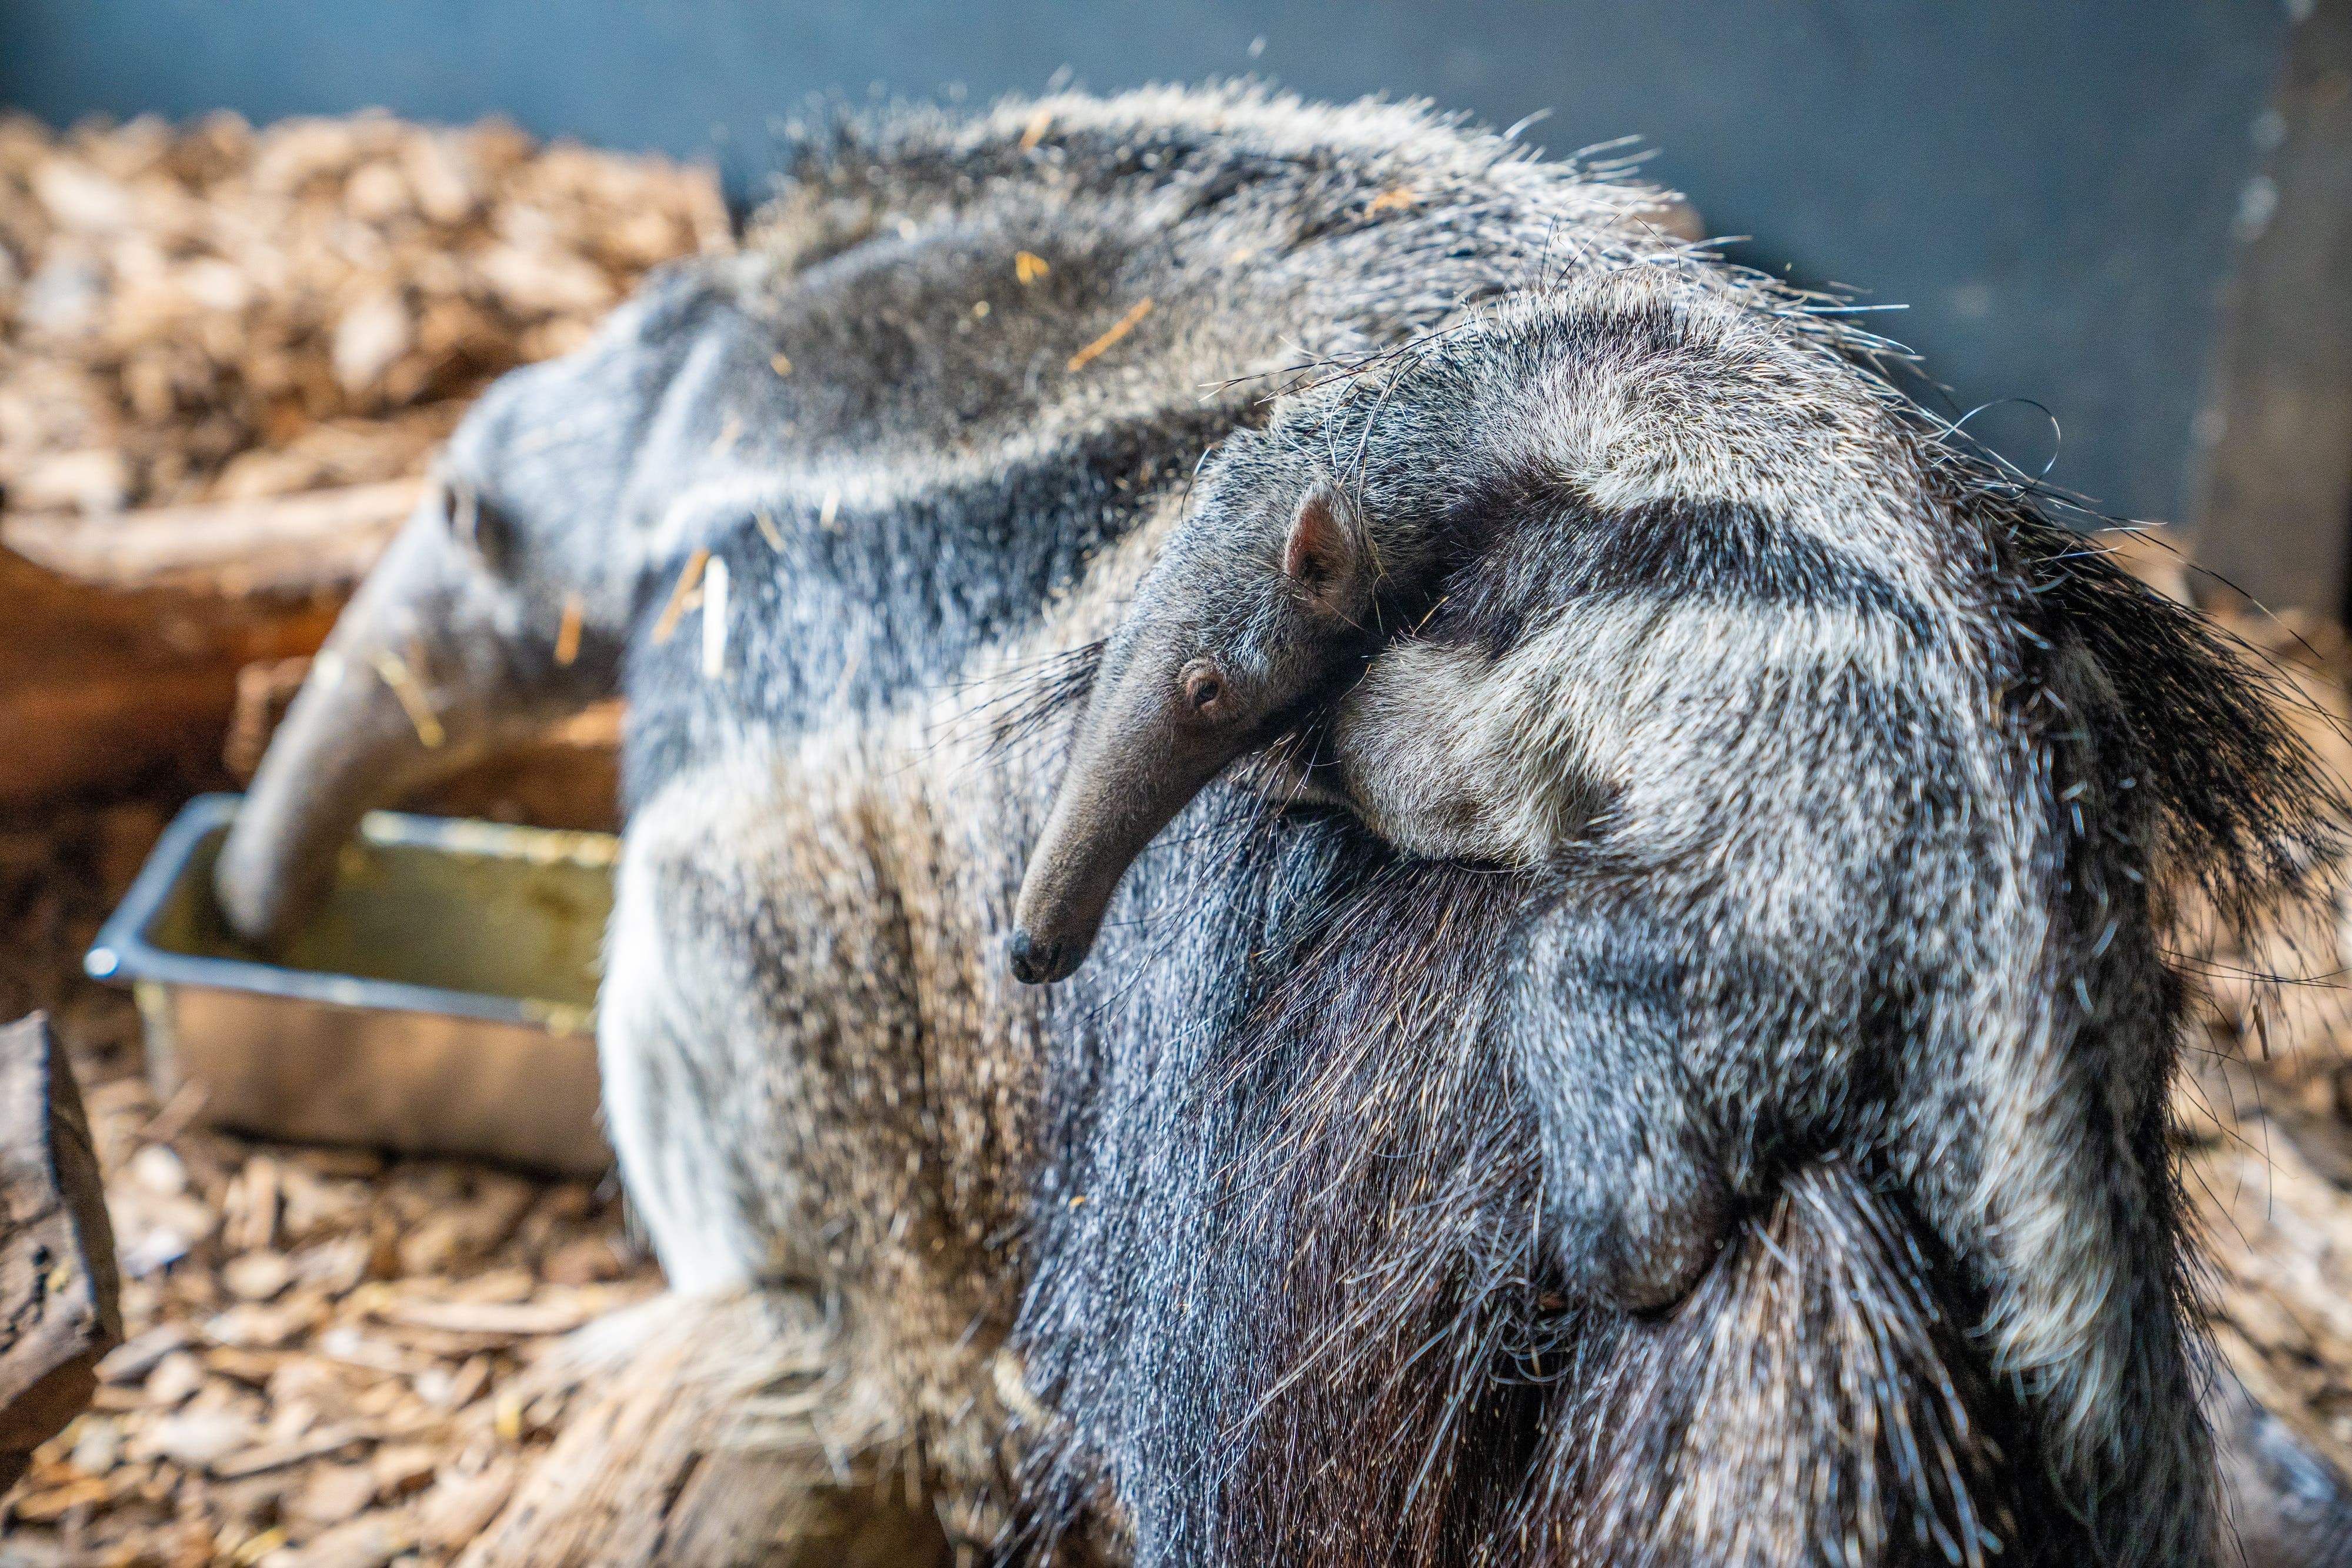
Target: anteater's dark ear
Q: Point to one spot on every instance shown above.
(477, 525)
(1322, 559)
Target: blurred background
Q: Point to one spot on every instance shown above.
(256, 256)
(2053, 193)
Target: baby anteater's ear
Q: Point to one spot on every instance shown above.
(1323, 559)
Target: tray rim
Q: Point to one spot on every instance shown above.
(122, 953)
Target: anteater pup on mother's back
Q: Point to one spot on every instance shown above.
(1833, 776)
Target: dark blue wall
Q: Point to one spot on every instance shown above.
(2049, 184)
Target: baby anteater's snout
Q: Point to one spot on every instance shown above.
(1038, 962)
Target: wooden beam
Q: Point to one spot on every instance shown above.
(2271, 483)
(126, 633)
(284, 544)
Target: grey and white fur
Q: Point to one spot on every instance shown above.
(1835, 834)
(1724, 884)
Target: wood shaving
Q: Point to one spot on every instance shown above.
(334, 1439)
(395, 674)
(213, 313)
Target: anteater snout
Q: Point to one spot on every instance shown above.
(1038, 962)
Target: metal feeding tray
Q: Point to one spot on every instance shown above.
(443, 1000)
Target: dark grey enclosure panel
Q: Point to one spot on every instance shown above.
(2050, 188)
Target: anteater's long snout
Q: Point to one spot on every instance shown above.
(1131, 771)
(391, 700)
(1038, 962)
(1076, 869)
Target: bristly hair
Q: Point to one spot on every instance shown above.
(1290, 1285)
(2250, 822)
(1395, 1381)
(844, 171)
(1023, 705)
(1831, 1317)
(1321, 1145)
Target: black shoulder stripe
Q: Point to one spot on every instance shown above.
(1529, 554)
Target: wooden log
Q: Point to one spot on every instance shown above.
(126, 635)
(295, 543)
(98, 687)
(58, 1286)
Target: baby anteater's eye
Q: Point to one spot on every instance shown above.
(1204, 684)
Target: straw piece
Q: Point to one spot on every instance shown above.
(413, 701)
(666, 627)
(714, 620)
(567, 635)
(849, 668)
(1119, 329)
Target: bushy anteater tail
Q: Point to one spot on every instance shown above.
(2249, 819)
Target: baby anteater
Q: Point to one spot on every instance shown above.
(1837, 828)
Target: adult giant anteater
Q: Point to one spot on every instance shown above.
(1663, 1060)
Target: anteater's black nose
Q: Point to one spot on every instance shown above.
(1035, 963)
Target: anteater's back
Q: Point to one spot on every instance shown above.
(1891, 778)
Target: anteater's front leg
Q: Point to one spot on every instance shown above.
(1596, 1014)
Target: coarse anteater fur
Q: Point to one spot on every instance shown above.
(1739, 844)
(1831, 828)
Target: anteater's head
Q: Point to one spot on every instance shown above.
(1310, 543)
(500, 607)
(1262, 606)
